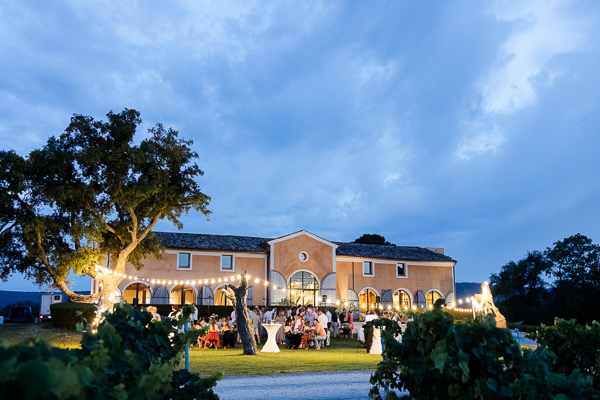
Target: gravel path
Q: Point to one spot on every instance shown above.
(325, 385)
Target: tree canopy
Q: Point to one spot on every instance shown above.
(92, 195)
(573, 264)
(373, 238)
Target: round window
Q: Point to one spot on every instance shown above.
(303, 256)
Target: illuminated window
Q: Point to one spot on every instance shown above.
(137, 293)
(432, 297)
(367, 299)
(182, 294)
(402, 299)
(304, 288)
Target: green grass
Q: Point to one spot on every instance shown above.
(15, 333)
(344, 355)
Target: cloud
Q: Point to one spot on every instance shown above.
(541, 30)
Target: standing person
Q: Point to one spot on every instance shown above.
(368, 332)
(351, 323)
(344, 323)
(280, 319)
(254, 320)
(195, 314)
(328, 315)
(322, 318)
(334, 322)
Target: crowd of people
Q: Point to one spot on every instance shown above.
(302, 327)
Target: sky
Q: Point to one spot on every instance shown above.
(471, 126)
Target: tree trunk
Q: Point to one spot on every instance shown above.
(242, 320)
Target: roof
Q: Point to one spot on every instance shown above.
(412, 253)
(250, 244)
(200, 241)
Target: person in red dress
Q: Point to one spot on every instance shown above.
(213, 334)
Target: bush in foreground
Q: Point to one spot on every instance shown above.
(472, 360)
(130, 357)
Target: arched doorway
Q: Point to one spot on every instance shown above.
(220, 298)
(367, 298)
(402, 300)
(137, 293)
(182, 294)
(431, 297)
(303, 287)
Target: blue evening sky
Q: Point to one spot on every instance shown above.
(467, 125)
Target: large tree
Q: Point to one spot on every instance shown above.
(520, 288)
(92, 195)
(576, 268)
(373, 238)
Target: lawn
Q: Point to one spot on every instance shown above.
(15, 333)
(344, 355)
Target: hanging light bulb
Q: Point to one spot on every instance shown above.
(212, 281)
(194, 282)
(274, 287)
(163, 282)
(266, 283)
(153, 281)
(169, 282)
(256, 280)
(205, 281)
(187, 282)
(239, 277)
(225, 279)
(220, 280)
(283, 290)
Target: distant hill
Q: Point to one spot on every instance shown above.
(14, 297)
(467, 289)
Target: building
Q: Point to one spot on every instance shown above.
(299, 266)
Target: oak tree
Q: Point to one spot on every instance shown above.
(91, 197)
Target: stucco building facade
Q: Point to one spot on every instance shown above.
(300, 266)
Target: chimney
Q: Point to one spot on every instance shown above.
(438, 250)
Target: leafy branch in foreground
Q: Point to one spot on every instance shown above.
(131, 357)
(472, 360)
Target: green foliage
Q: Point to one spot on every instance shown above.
(130, 357)
(522, 294)
(67, 315)
(93, 193)
(576, 347)
(440, 359)
(373, 239)
(287, 302)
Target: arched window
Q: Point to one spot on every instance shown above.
(182, 294)
(401, 300)
(137, 293)
(220, 298)
(432, 297)
(367, 299)
(303, 287)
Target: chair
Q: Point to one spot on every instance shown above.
(321, 341)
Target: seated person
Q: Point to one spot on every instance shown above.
(228, 335)
(321, 335)
(308, 335)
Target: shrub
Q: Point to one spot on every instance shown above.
(67, 315)
(130, 357)
(440, 359)
(576, 347)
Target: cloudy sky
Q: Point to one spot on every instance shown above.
(467, 125)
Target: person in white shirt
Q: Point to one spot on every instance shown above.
(328, 314)
(323, 321)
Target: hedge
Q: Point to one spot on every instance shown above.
(64, 315)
